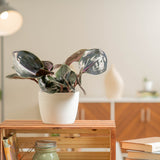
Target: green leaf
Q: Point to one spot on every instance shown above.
(62, 72)
(50, 84)
(72, 77)
(47, 86)
(68, 77)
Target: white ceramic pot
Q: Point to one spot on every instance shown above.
(58, 108)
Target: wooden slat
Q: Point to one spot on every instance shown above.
(77, 156)
(90, 134)
(113, 144)
(85, 124)
(64, 131)
(1, 148)
(77, 142)
(2, 132)
(84, 156)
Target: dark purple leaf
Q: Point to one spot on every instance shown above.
(16, 76)
(48, 65)
(75, 57)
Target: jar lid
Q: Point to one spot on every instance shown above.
(45, 144)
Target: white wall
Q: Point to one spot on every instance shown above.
(127, 30)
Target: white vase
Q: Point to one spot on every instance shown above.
(148, 85)
(114, 84)
(58, 108)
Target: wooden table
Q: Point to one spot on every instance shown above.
(72, 140)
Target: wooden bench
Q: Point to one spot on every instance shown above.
(83, 140)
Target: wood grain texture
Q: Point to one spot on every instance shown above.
(94, 111)
(1, 144)
(152, 127)
(64, 131)
(37, 124)
(128, 121)
(101, 135)
(113, 144)
(63, 142)
(77, 156)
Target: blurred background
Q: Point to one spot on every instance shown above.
(128, 32)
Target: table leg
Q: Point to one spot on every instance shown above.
(113, 145)
(1, 147)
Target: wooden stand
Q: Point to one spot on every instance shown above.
(79, 141)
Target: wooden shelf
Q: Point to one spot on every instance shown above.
(82, 134)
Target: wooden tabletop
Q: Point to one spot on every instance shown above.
(37, 124)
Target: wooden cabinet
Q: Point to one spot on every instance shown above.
(137, 120)
(129, 120)
(133, 120)
(94, 111)
(152, 119)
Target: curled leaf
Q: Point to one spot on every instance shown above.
(26, 63)
(93, 61)
(75, 57)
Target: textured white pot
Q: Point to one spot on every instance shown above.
(58, 108)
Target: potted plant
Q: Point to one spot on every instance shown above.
(58, 98)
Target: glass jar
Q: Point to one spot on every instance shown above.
(45, 150)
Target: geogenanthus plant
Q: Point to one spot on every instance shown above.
(29, 66)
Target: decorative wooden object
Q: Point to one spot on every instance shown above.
(72, 139)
